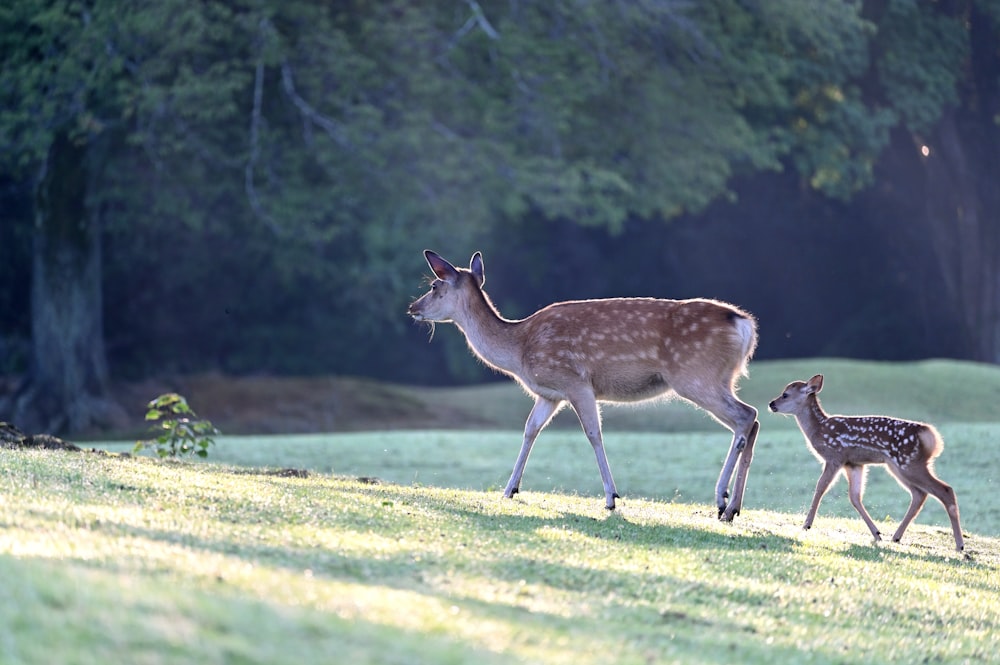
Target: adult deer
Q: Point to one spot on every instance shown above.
(851, 443)
(613, 350)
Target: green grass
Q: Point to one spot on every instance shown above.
(116, 559)
(679, 467)
(938, 391)
(134, 560)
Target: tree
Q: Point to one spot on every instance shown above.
(68, 371)
(308, 150)
(937, 69)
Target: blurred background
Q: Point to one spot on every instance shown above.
(245, 188)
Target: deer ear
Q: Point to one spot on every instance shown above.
(440, 267)
(815, 384)
(476, 266)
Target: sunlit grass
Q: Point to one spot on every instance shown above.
(203, 563)
(681, 467)
(109, 559)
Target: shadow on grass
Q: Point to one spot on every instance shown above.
(51, 601)
(599, 608)
(903, 552)
(657, 609)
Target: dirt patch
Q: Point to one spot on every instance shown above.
(288, 405)
(278, 473)
(12, 437)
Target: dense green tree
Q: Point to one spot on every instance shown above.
(263, 174)
(49, 54)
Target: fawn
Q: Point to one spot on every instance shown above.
(850, 443)
(611, 350)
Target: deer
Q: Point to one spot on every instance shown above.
(852, 443)
(587, 352)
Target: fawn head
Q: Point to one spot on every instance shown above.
(795, 394)
(448, 291)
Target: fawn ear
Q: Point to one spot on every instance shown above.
(476, 266)
(815, 384)
(444, 270)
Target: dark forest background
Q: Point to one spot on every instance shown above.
(246, 187)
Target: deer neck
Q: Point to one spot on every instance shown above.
(489, 335)
(812, 419)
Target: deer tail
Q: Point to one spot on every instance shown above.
(930, 442)
(746, 332)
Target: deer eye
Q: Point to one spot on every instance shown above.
(784, 395)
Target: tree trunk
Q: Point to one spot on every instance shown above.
(66, 389)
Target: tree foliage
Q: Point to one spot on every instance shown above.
(403, 113)
(265, 172)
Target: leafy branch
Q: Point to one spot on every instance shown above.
(181, 431)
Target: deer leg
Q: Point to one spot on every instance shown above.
(855, 488)
(918, 497)
(946, 495)
(923, 480)
(741, 419)
(739, 486)
(722, 485)
(919, 479)
(541, 414)
(826, 478)
(590, 419)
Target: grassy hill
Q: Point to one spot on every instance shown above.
(935, 390)
(107, 558)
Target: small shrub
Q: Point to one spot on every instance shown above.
(180, 430)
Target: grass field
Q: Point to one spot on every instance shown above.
(115, 559)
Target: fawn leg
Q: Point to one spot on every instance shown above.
(541, 414)
(918, 497)
(946, 495)
(855, 488)
(943, 492)
(826, 478)
(921, 479)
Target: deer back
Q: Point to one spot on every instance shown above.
(875, 439)
(622, 349)
(856, 439)
(633, 348)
